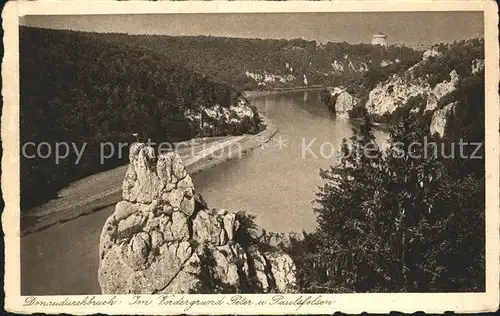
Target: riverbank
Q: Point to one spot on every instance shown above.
(99, 191)
(381, 126)
(252, 94)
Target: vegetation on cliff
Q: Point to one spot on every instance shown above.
(458, 56)
(83, 90)
(410, 218)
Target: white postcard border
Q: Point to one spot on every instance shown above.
(347, 303)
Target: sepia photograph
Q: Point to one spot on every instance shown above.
(299, 155)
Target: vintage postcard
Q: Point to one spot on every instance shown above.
(250, 157)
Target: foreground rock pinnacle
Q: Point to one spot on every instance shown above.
(161, 238)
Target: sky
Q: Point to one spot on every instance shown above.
(409, 28)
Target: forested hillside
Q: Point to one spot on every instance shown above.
(270, 63)
(84, 90)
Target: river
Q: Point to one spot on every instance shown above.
(278, 181)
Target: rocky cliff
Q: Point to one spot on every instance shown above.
(340, 101)
(389, 96)
(394, 93)
(239, 118)
(437, 80)
(440, 119)
(161, 238)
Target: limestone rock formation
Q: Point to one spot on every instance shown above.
(162, 239)
(440, 119)
(337, 66)
(264, 79)
(477, 66)
(344, 103)
(341, 101)
(214, 119)
(432, 52)
(396, 91)
(385, 62)
(388, 96)
(442, 89)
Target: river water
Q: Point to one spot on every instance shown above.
(277, 182)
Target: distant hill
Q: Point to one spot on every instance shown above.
(269, 63)
(82, 89)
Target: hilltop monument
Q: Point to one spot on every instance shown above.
(379, 39)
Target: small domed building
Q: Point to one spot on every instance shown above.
(379, 39)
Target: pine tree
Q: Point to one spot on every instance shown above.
(351, 249)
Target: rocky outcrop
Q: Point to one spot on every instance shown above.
(161, 238)
(440, 90)
(218, 120)
(440, 119)
(477, 66)
(268, 79)
(308, 74)
(384, 63)
(337, 66)
(345, 103)
(304, 80)
(433, 52)
(388, 96)
(360, 68)
(340, 101)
